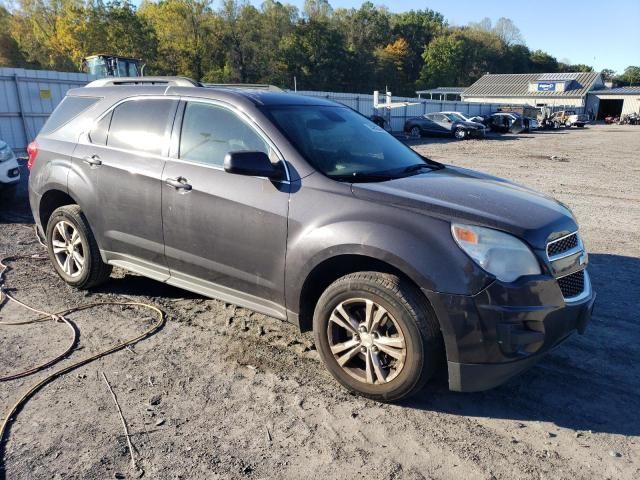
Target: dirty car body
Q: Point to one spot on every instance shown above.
(273, 238)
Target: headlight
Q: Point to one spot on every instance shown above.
(499, 253)
(5, 153)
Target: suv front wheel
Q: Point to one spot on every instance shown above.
(377, 335)
(73, 249)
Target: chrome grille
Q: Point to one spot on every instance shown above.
(562, 245)
(572, 285)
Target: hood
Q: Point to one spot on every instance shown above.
(457, 194)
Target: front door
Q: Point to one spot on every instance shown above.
(225, 235)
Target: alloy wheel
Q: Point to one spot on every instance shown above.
(366, 341)
(68, 249)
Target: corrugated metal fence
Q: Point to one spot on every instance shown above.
(364, 104)
(27, 98)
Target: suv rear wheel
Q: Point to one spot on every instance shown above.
(377, 335)
(73, 249)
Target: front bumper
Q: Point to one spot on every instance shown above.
(506, 328)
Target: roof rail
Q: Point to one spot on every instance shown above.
(145, 81)
(250, 86)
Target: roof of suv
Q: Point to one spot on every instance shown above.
(232, 93)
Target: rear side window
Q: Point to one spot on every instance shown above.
(68, 109)
(141, 125)
(210, 132)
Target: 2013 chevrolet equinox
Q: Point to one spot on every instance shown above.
(304, 210)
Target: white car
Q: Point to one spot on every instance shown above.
(9, 170)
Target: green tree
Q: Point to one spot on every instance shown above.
(504, 29)
(630, 76)
(276, 21)
(317, 9)
(541, 62)
(578, 67)
(315, 54)
(608, 74)
(418, 28)
(461, 57)
(185, 30)
(10, 54)
(365, 30)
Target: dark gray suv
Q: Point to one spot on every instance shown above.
(305, 210)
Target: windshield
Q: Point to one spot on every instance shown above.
(344, 145)
(455, 117)
(96, 66)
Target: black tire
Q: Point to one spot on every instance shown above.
(415, 131)
(408, 309)
(94, 271)
(580, 126)
(460, 133)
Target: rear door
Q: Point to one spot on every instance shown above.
(122, 157)
(225, 235)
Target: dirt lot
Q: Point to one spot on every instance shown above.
(238, 395)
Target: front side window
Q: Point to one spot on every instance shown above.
(141, 125)
(209, 132)
(343, 144)
(456, 117)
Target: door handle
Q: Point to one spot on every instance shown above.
(179, 183)
(93, 161)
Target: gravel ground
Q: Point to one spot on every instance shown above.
(223, 392)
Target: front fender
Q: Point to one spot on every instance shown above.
(418, 245)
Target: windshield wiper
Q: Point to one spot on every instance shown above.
(420, 166)
(364, 177)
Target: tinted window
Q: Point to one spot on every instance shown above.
(98, 134)
(68, 109)
(210, 132)
(141, 125)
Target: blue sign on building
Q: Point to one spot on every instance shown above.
(546, 87)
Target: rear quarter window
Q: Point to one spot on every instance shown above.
(68, 109)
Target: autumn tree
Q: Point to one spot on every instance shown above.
(392, 68)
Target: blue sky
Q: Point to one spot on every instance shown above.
(601, 34)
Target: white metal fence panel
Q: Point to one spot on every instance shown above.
(27, 98)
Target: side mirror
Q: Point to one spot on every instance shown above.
(253, 164)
